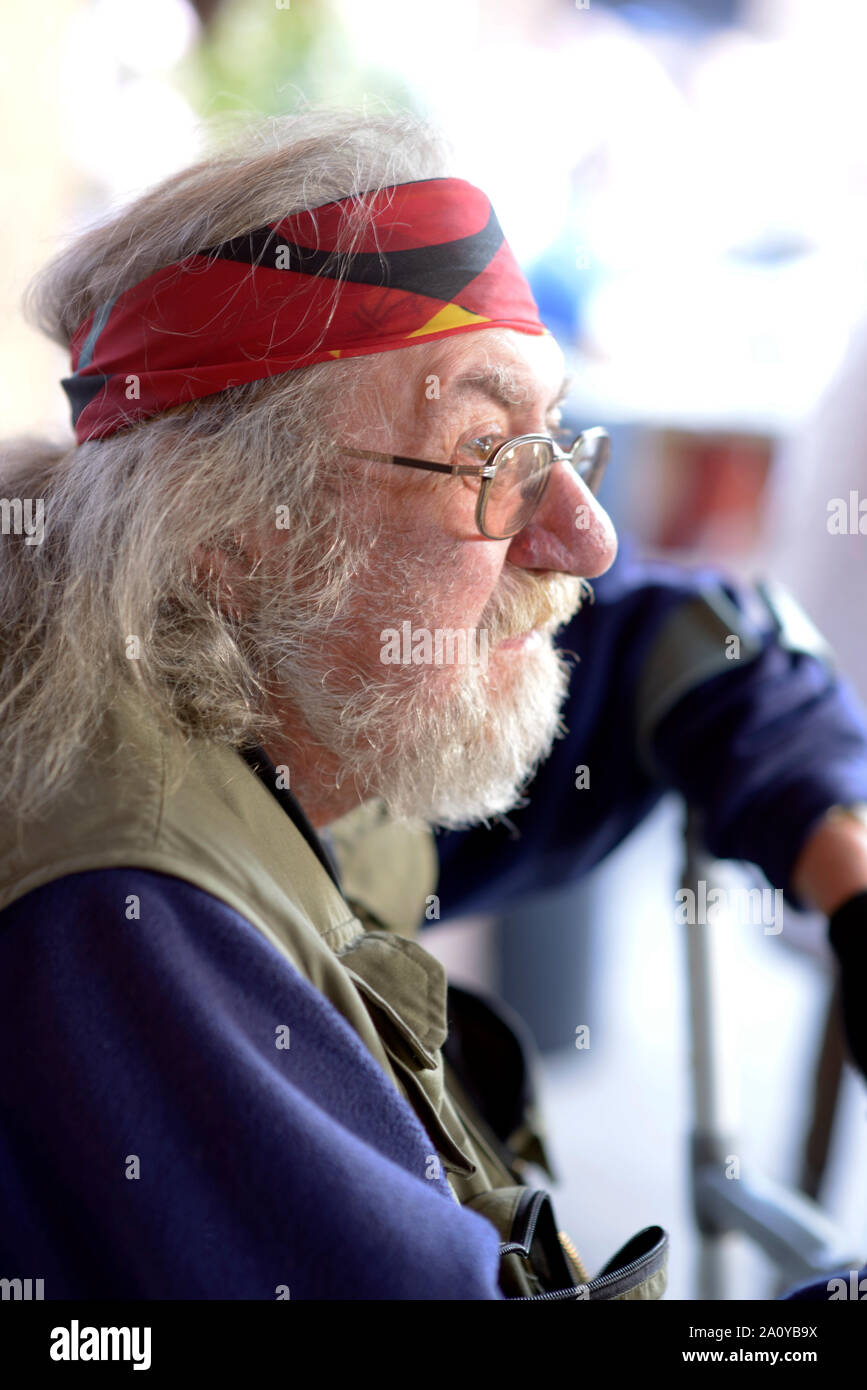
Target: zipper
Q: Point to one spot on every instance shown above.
(601, 1282)
(523, 1247)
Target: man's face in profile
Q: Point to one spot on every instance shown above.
(438, 686)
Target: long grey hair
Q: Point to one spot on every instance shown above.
(114, 593)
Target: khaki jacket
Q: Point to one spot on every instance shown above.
(197, 812)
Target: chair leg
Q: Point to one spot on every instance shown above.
(827, 1080)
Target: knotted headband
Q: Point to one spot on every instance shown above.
(432, 262)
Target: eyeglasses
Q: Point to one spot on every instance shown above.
(515, 474)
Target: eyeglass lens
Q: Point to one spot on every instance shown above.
(517, 487)
(522, 473)
(590, 454)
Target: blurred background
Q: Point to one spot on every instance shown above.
(685, 184)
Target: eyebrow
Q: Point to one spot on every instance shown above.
(499, 385)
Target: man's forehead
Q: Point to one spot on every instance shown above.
(514, 369)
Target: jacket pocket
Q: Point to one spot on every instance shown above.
(639, 1269)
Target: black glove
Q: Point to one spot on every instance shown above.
(847, 933)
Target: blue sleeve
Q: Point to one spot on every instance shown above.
(150, 1045)
(839, 1284)
(762, 749)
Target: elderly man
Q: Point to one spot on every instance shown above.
(295, 605)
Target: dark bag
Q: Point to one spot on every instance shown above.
(491, 1055)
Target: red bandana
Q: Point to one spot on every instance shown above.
(432, 263)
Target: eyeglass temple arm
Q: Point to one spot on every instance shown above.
(470, 469)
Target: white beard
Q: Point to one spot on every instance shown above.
(469, 757)
(452, 746)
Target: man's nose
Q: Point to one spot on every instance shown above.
(569, 532)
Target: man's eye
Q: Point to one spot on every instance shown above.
(481, 446)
